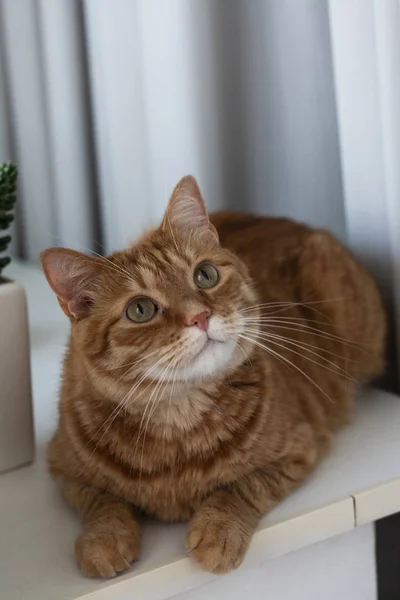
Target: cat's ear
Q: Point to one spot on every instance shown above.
(71, 275)
(186, 210)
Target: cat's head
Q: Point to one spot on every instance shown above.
(167, 308)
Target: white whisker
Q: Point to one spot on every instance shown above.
(283, 306)
(316, 347)
(116, 266)
(121, 406)
(273, 352)
(157, 393)
(271, 337)
(302, 327)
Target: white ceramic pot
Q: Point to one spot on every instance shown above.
(16, 423)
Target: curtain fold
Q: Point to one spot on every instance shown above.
(366, 57)
(278, 107)
(26, 120)
(275, 106)
(68, 122)
(110, 103)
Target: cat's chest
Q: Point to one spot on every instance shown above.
(168, 478)
(172, 492)
(189, 447)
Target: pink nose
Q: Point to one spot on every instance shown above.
(201, 320)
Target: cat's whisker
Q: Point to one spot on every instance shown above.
(287, 305)
(122, 404)
(337, 369)
(116, 266)
(158, 384)
(277, 354)
(246, 356)
(161, 385)
(111, 265)
(293, 319)
(296, 328)
(111, 418)
(302, 305)
(125, 365)
(305, 329)
(126, 400)
(266, 311)
(316, 347)
(175, 372)
(147, 357)
(166, 378)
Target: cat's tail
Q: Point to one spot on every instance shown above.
(349, 300)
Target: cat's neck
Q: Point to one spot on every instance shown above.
(175, 407)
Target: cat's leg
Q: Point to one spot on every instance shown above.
(110, 540)
(221, 529)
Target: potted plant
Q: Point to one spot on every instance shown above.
(16, 427)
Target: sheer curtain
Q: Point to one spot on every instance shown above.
(107, 104)
(276, 106)
(365, 38)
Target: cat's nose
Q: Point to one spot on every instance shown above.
(201, 320)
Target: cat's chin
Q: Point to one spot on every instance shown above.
(212, 360)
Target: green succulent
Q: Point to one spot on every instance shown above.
(8, 196)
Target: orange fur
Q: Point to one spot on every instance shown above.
(305, 322)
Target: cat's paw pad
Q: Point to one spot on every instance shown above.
(216, 541)
(105, 554)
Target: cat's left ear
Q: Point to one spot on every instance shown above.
(186, 210)
(72, 276)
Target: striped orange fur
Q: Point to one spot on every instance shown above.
(222, 402)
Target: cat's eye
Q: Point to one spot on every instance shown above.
(206, 276)
(141, 310)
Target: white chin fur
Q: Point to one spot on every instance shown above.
(206, 355)
(210, 361)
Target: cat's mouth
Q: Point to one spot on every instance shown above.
(203, 354)
(212, 358)
(209, 344)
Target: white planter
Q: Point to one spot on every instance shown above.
(16, 423)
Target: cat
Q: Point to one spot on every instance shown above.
(208, 366)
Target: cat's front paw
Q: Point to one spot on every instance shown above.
(217, 541)
(107, 553)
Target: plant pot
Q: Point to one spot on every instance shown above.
(16, 422)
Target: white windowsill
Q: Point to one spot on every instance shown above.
(358, 483)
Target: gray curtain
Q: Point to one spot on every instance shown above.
(281, 107)
(105, 105)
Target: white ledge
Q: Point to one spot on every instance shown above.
(358, 483)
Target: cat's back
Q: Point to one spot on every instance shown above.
(265, 244)
(295, 264)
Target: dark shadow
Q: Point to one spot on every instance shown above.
(96, 211)
(218, 50)
(230, 97)
(387, 549)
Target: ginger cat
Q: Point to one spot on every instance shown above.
(208, 366)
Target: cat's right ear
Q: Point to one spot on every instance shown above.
(71, 276)
(186, 210)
